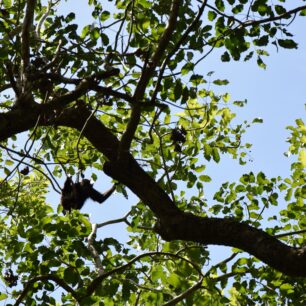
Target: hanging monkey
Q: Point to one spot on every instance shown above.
(74, 195)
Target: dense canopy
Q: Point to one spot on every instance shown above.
(127, 95)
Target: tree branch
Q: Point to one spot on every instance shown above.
(290, 233)
(15, 122)
(261, 21)
(93, 251)
(229, 232)
(146, 75)
(114, 221)
(95, 283)
(25, 35)
(26, 31)
(53, 278)
(82, 87)
(176, 48)
(173, 224)
(224, 15)
(275, 18)
(185, 294)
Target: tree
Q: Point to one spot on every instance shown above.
(124, 95)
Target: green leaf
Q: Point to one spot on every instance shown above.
(287, 43)
(188, 67)
(299, 122)
(95, 33)
(200, 169)
(220, 82)
(303, 12)
(257, 120)
(146, 4)
(3, 54)
(207, 151)
(225, 57)
(157, 273)
(71, 276)
(237, 9)
(3, 296)
(302, 158)
(85, 31)
(262, 9)
(9, 162)
(220, 5)
(177, 90)
(260, 63)
(226, 97)
(211, 15)
(205, 178)
(215, 155)
(174, 280)
(7, 3)
(262, 41)
(104, 16)
(279, 9)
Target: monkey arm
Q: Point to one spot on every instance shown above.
(101, 197)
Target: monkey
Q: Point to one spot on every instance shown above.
(178, 137)
(74, 195)
(25, 171)
(10, 278)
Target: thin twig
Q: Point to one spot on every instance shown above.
(44, 278)
(38, 170)
(81, 133)
(290, 233)
(186, 293)
(274, 18)
(44, 17)
(119, 220)
(91, 288)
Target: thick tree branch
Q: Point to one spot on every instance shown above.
(146, 75)
(229, 232)
(26, 31)
(71, 96)
(25, 53)
(165, 38)
(16, 121)
(176, 225)
(129, 173)
(173, 223)
(176, 48)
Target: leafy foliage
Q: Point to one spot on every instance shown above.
(133, 73)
